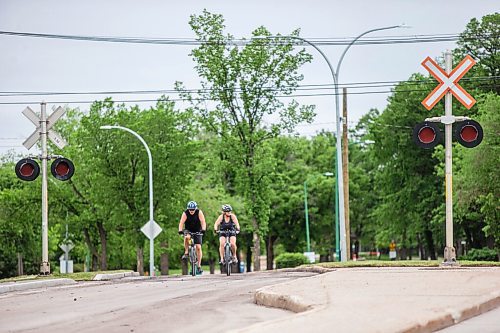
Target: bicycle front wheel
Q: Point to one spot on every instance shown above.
(228, 257)
(193, 260)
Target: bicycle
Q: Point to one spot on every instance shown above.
(228, 257)
(193, 258)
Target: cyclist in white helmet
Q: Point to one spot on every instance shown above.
(192, 220)
(227, 221)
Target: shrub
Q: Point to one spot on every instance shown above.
(286, 260)
(484, 254)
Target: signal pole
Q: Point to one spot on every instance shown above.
(45, 266)
(449, 250)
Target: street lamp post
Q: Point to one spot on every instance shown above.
(151, 239)
(340, 213)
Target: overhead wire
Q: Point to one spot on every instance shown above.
(240, 42)
(353, 85)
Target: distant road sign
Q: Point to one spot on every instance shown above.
(146, 229)
(51, 120)
(67, 247)
(448, 82)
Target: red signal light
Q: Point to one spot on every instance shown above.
(427, 135)
(469, 133)
(27, 169)
(62, 168)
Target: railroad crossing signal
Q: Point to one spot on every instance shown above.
(467, 131)
(28, 169)
(51, 120)
(448, 82)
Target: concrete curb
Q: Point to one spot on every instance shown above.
(309, 269)
(24, 285)
(112, 276)
(264, 296)
(287, 302)
(455, 316)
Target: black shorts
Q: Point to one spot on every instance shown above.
(198, 239)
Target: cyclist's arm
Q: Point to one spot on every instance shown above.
(202, 220)
(217, 222)
(235, 220)
(182, 220)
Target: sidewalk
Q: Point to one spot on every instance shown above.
(381, 299)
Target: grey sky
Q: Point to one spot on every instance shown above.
(32, 64)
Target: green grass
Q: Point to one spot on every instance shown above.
(402, 263)
(80, 276)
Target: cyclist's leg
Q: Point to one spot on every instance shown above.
(198, 254)
(222, 242)
(198, 241)
(232, 240)
(187, 237)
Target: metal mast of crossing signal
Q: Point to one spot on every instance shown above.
(449, 250)
(45, 266)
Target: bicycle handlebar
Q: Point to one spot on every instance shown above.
(196, 233)
(235, 232)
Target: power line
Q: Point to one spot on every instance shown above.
(354, 85)
(240, 42)
(208, 99)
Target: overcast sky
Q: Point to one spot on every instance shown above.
(49, 65)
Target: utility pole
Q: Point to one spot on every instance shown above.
(345, 171)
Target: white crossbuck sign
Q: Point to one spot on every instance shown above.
(448, 82)
(52, 135)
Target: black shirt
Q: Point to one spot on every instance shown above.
(193, 222)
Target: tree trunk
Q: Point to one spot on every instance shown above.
(92, 249)
(430, 244)
(270, 251)
(256, 249)
(249, 258)
(140, 261)
(420, 248)
(184, 267)
(20, 265)
(103, 238)
(211, 264)
(164, 259)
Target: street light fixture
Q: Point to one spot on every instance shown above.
(151, 239)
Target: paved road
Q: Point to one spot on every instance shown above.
(208, 303)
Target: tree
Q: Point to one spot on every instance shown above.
(245, 84)
(477, 194)
(407, 187)
(481, 39)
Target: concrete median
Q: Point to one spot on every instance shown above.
(382, 299)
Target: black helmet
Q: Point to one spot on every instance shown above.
(226, 208)
(192, 205)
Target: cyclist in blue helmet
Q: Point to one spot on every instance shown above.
(193, 220)
(227, 221)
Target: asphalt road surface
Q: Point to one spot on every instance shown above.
(208, 303)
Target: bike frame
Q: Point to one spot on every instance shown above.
(193, 258)
(228, 256)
